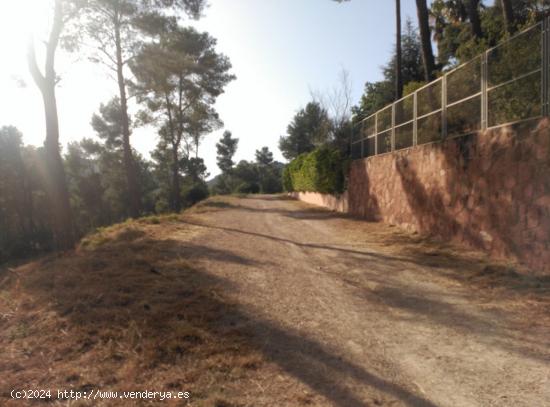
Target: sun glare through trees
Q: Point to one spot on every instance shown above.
(227, 203)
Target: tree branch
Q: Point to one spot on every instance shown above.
(37, 76)
(53, 41)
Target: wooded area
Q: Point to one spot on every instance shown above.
(50, 197)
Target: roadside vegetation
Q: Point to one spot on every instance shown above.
(50, 197)
(246, 177)
(322, 170)
(125, 311)
(461, 30)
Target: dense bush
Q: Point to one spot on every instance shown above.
(248, 188)
(194, 193)
(287, 179)
(322, 170)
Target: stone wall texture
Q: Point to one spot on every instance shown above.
(334, 203)
(488, 191)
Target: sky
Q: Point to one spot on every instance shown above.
(281, 50)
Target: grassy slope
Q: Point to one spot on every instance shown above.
(125, 311)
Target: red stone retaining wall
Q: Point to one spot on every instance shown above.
(334, 203)
(488, 191)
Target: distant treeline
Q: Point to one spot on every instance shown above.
(97, 189)
(97, 186)
(264, 175)
(48, 198)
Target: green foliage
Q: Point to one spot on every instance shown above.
(194, 193)
(458, 41)
(117, 28)
(264, 157)
(309, 128)
(191, 177)
(97, 184)
(24, 214)
(287, 176)
(226, 148)
(322, 171)
(178, 80)
(120, 33)
(248, 177)
(453, 30)
(223, 184)
(107, 159)
(108, 125)
(248, 188)
(378, 95)
(270, 175)
(412, 87)
(411, 57)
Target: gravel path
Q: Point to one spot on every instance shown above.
(361, 314)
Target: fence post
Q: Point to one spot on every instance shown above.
(545, 65)
(444, 107)
(415, 122)
(484, 96)
(393, 127)
(352, 134)
(376, 133)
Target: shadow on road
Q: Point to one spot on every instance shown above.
(422, 306)
(139, 302)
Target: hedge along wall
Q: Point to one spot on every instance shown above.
(322, 171)
(489, 191)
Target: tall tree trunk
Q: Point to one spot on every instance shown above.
(475, 22)
(134, 203)
(398, 46)
(56, 181)
(176, 188)
(425, 37)
(509, 18)
(59, 193)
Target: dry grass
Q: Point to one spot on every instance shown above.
(213, 204)
(503, 280)
(130, 310)
(124, 312)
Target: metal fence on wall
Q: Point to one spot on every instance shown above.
(506, 84)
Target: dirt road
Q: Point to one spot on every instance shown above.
(350, 313)
(264, 301)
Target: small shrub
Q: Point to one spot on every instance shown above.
(195, 193)
(248, 188)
